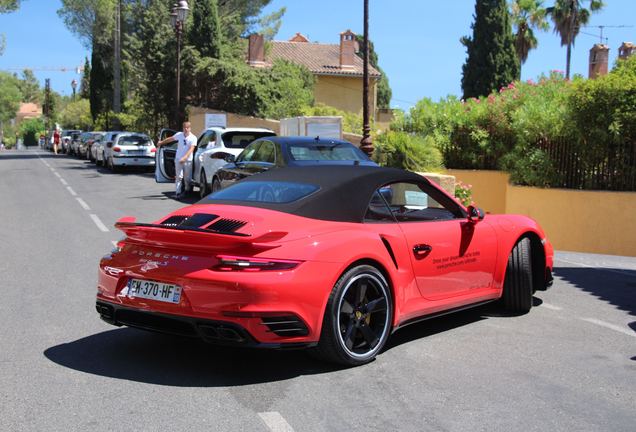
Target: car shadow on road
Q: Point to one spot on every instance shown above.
(136, 355)
(615, 286)
(141, 356)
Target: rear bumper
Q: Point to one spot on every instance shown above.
(134, 161)
(211, 331)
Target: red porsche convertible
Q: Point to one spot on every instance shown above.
(333, 258)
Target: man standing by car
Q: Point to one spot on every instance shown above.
(186, 143)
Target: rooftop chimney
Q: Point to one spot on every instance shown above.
(598, 60)
(348, 47)
(299, 38)
(256, 51)
(626, 49)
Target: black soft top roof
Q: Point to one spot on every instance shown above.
(344, 191)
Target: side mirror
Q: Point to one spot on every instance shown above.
(230, 158)
(475, 214)
(109, 144)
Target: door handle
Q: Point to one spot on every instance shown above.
(421, 250)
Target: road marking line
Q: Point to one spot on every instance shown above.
(99, 223)
(56, 173)
(619, 271)
(275, 422)
(70, 189)
(63, 182)
(551, 307)
(83, 203)
(609, 326)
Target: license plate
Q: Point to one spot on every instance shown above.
(136, 152)
(159, 291)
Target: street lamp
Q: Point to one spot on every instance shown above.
(74, 86)
(178, 17)
(366, 144)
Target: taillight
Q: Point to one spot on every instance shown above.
(153, 150)
(119, 245)
(116, 149)
(232, 263)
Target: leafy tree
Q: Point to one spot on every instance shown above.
(492, 61)
(77, 115)
(93, 22)
(30, 87)
(526, 16)
(290, 88)
(384, 92)
(10, 96)
(101, 79)
(151, 55)
(205, 32)
(30, 131)
(85, 83)
(568, 17)
(9, 5)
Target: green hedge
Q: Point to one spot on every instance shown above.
(526, 127)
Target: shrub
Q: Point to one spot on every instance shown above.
(407, 151)
(30, 131)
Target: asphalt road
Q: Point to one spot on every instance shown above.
(570, 364)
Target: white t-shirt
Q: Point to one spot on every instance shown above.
(183, 145)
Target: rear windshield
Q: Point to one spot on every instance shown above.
(134, 140)
(265, 192)
(325, 152)
(242, 139)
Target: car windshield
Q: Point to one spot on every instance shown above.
(265, 192)
(242, 139)
(325, 152)
(138, 140)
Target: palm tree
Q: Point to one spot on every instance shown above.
(568, 17)
(526, 15)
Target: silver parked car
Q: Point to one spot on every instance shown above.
(129, 149)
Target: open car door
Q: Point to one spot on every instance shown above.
(164, 158)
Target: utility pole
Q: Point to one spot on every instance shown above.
(47, 103)
(117, 63)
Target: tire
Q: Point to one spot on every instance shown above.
(203, 185)
(517, 291)
(216, 185)
(111, 166)
(358, 318)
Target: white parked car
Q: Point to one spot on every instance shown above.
(214, 145)
(129, 149)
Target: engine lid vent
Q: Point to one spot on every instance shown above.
(226, 225)
(195, 221)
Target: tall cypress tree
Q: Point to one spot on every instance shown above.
(492, 61)
(101, 78)
(205, 31)
(384, 92)
(85, 84)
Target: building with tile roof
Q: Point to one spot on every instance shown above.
(337, 68)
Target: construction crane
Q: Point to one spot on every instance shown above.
(77, 69)
(601, 27)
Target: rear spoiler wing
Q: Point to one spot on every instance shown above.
(190, 237)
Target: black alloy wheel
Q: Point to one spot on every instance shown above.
(358, 318)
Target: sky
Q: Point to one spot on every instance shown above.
(417, 41)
